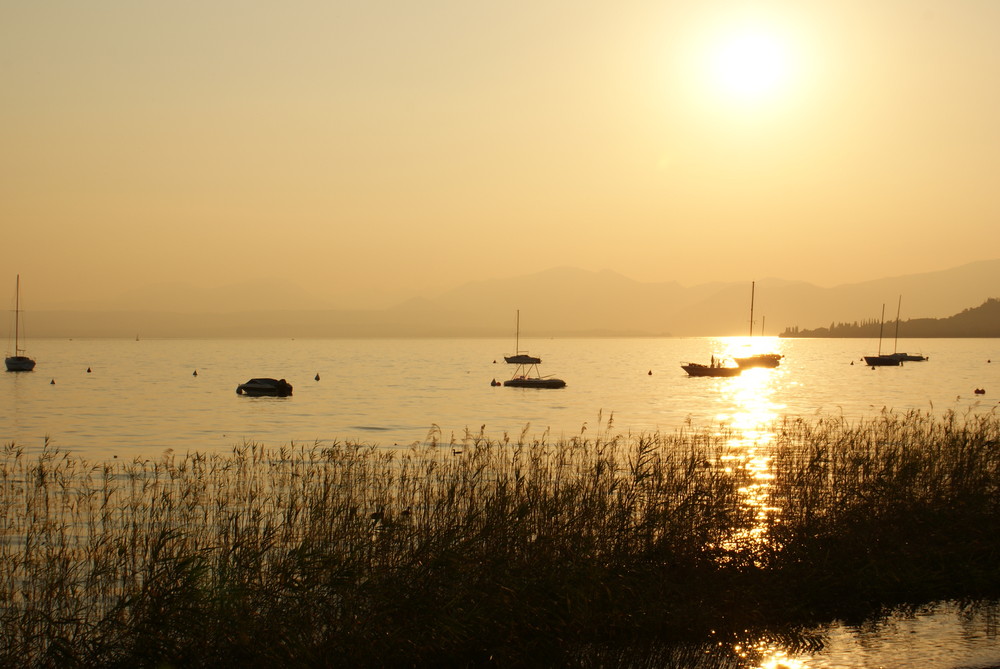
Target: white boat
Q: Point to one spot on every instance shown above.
(18, 362)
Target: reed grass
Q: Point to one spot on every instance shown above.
(510, 550)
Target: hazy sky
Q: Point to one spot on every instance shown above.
(372, 150)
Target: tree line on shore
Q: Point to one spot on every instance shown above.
(981, 321)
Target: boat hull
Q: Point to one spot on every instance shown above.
(19, 363)
(769, 360)
(696, 369)
(534, 382)
(265, 388)
(521, 359)
(907, 357)
(882, 361)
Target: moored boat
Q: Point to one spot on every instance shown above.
(880, 360)
(534, 382)
(907, 357)
(18, 362)
(526, 374)
(265, 387)
(714, 369)
(769, 360)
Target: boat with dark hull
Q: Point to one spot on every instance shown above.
(526, 375)
(880, 360)
(265, 387)
(907, 357)
(698, 369)
(534, 382)
(18, 362)
(766, 360)
(903, 357)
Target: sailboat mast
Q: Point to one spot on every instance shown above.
(895, 340)
(752, 285)
(517, 332)
(17, 316)
(880, 324)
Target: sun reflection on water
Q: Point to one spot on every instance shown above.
(748, 422)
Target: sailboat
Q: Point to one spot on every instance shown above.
(18, 362)
(881, 360)
(770, 360)
(903, 357)
(526, 374)
(520, 358)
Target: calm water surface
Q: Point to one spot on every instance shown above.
(143, 397)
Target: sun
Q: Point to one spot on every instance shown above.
(749, 63)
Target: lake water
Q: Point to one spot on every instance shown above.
(143, 397)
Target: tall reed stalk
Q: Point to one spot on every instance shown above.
(480, 550)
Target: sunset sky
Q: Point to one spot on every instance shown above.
(371, 151)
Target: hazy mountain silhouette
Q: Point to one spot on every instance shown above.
(557, 302)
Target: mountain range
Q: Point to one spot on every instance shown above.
(557, 302)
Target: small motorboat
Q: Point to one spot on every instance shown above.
(698, 369)
(265, 387)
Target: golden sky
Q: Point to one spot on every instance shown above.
(373, 150)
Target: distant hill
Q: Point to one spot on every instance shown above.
(560, 302)
(981, 321)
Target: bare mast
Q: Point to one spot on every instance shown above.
(880, 324)
(17, 317)
(895, 340)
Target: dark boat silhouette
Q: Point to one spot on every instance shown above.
(265, 387)
(769, 360)
(527, 375)
(18, 362)
(880, 360)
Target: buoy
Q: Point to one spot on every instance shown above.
(494, 362)
(88, 370)
(317, 376)
(52, 382)
(980, 391)
(650, 372)
(195, 373)
(852, 363)
(494, 382)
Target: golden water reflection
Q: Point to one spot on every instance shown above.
(747, 423)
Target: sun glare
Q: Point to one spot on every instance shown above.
(749, 63)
